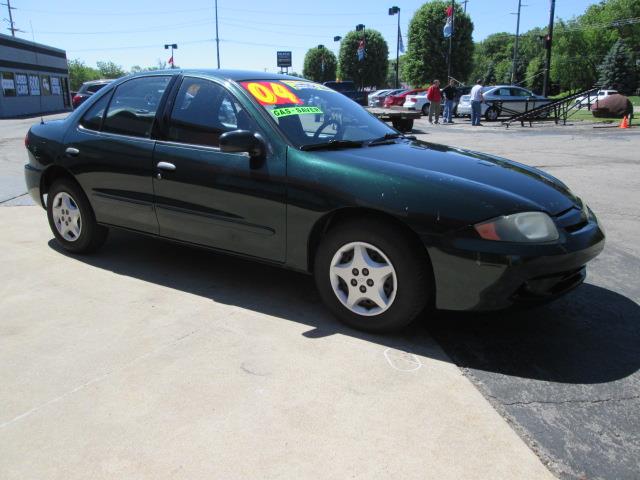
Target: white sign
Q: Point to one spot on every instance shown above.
(55, 86)
(7, 84)
(34, 84)
(22, 84)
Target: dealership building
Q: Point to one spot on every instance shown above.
(34, 78)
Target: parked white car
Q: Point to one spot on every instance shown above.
(514, 99)
(417, 102)
(595, 97)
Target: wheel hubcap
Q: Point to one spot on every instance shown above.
(66, 216)
(363, 278)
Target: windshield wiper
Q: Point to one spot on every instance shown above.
(332, 144)
(386, 139)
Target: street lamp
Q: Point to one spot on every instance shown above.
(360, 28)
(171, 46)
(393, 11)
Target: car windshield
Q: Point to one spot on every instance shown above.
(312, 114)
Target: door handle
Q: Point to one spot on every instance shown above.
(71, 152)
(170, 167)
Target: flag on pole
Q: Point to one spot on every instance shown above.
(448, 26)
(401, 43)
(360, 52)
(170, 62)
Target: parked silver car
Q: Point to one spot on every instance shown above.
(503, 100)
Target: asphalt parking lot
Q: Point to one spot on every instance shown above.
(151, 360)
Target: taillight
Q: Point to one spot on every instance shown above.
(26, 140)
(411, 98)
(76, 100)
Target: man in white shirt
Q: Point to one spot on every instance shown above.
(476, 103)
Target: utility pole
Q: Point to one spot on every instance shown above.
(217, 39)
(547, 43)
(515, 46)
(12, 26)
(465, 5)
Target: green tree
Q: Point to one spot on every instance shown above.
(110, 70)
(320, 65)
(428, 49)
(370, 72)
(617, 70)
(80, 73)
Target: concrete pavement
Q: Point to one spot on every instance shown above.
(153, 360)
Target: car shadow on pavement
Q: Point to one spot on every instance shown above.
(589, 336)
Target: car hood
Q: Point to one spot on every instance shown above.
(493, 179)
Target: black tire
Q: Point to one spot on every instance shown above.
(408, 258)
(492, 114)
(425, 109)
(92, 235)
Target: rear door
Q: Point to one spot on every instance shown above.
(111, 153)
(209, 197)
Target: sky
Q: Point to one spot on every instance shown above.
(134, 32)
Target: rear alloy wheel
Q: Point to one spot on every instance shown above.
(425, 109)
(372, 277)
(492, 114)
(71, 218)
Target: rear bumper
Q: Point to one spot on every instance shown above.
(32, 177)
(475, 274)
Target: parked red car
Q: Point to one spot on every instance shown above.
(400, 98)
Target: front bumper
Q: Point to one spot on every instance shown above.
(475, 274)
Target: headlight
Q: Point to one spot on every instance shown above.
(519, 227)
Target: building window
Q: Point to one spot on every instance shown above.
(46, 84)
(8, 84)
(55, 86)
(34, 84)
(22, 84)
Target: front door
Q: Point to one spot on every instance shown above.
(208, 197)
(111, 154)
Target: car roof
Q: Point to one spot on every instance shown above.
(98, 82)
(234, 75)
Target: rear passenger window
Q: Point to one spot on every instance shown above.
(203, 111)
(133, 106)
(93, 118)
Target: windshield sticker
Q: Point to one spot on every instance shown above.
(286, 111)
(271, 93)
(301, 85)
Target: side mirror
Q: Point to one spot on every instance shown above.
(243, 141)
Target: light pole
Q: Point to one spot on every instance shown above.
(171, 46)
(361, 28)
(453, 18)
(337, 38)
(393, 11)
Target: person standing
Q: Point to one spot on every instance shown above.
(449, 93)
(435, 97)
(476, 103)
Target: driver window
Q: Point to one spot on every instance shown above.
(203, 111)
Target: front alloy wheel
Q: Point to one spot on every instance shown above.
(363, 278)
(373, 275)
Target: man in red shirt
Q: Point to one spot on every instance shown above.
(435, 97)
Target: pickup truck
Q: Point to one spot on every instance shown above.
(348, 89)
